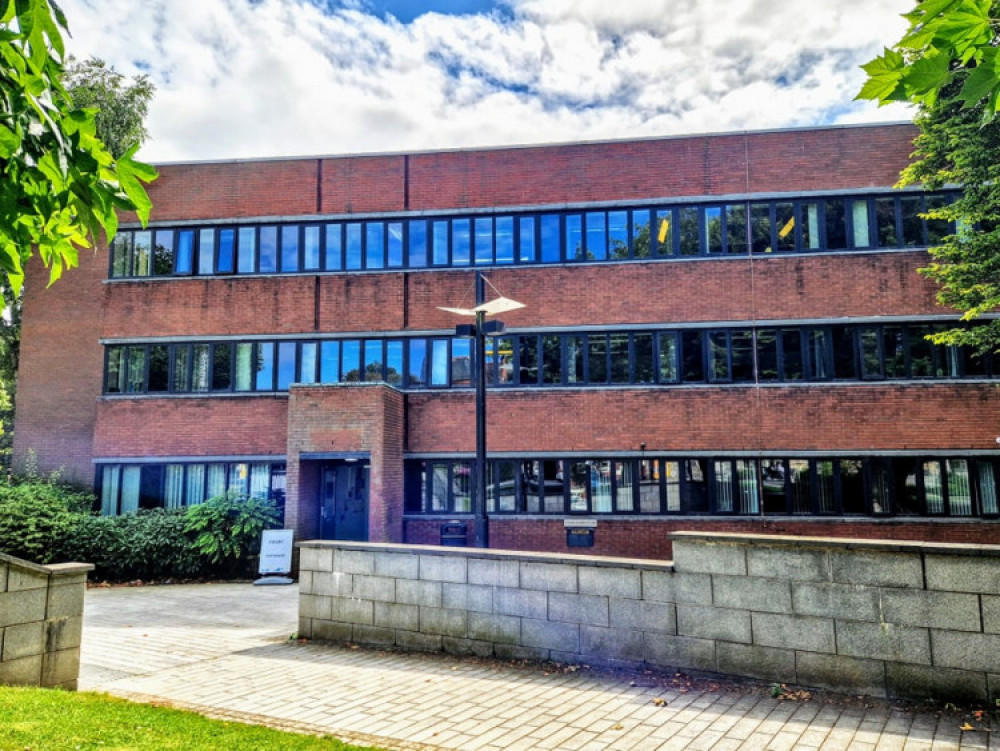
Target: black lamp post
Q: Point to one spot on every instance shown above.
(479, 331)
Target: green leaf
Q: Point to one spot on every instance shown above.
(9, 142)
(885, 73)
(927, 73)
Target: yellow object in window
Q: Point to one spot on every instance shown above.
(789, 226)
(664, 229)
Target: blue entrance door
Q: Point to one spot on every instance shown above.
(344, 501)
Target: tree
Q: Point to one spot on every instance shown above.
(121, 105)
(60, 187)
(947, 65)
(950, 46)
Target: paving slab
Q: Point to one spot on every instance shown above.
(225, 651)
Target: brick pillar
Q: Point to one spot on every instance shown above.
(346, 418)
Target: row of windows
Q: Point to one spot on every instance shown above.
(124, 488)
(872, 486)
(736, 355)
(716, 229)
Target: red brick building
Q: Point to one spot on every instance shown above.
(720, 331)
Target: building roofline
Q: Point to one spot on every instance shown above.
(540, 145)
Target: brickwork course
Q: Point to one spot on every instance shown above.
(224, 650)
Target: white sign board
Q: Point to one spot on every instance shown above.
(276, 551)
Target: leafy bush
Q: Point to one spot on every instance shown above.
(36, 516)
(148, 544)
(228, 528)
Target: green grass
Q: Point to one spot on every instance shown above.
(34, 719)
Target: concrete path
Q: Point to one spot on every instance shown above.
(223, 650)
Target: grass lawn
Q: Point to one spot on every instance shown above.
(34, 719)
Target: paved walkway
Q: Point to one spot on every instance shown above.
(223, 650)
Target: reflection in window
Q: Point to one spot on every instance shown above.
(308, 362)
(206, 251)
(664, 240)
(526, 239)
(418, 243)
(329, 367)
(597, 243)
(290, 248)
(484, 240)
(352, 245)
(374, 245)
(246, 250)
(268, 250)
(350, 361)
(504, 239)
(574, 238)
(551, 237)
(265, 367)
(439, 362)
(334, 256)
(461, 242)
(310, 248)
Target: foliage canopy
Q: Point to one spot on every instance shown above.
(59, 185)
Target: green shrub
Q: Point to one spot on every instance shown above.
(227, 530)
(148, 545)
(36, 516)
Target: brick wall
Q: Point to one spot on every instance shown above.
(897, 620)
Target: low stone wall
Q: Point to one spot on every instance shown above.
(41, 618)
(894, 619)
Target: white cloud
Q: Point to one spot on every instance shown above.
(241, 78)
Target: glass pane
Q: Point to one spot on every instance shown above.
(260, 480)
(746, 471)
(461, 242)
(352, 245)
(667, 343)
(195, 484)
(723, 474)
(526, 239)
(836, 225)
(528, 360)
(736, 228)
(937, 229)
(760, 228)
(742, 356)
(307, 364)
(579, 475)
(880, 485)
(329, 363)
(600, 487)
(784, 222)
(417, 371)
(871, 354)
(618, 350)
(136, 370)
(182, 362)
(239, 478)
(310, 248)
(665, 223)
(644, 368)
(809, 213)
(439, 487)
(824, 486)
(574, 238)
(597, 358)
(640, 234)
(852, 488)
(173, 486)
(159, 368)
(649, 486)
(264, 380)
(440, 242)
(552, 487)
(131, 482)
(504, 239)
(373, 360)
(142, 252)
(767, 355)
(718, 356)
(597, 240)
(551, 359)
(987, 488)
(694, 486)
(244, 369)
(712, 229)
(115, 379)
(933, 488)
(845, 364)
(462, 486)
(221, 366)
(268, 255)
(394, 237)
(819, 367)
(624, 486)
(959, 488)
(394, 362)
(688, 229)
(576, 353)
(374, 245)
(184, 259)
(121, 256)
(791, 354)
(551, 236)
(484, 240)
(206, 251)
(461, 361)
(334, 256)
(505, 360)
(907, 499)
(501, 492)
(246, 254)
(227, 241)
(859, 224)
(350, 361)
(913, 225)
(693, 363)
(894, 351)
(885, 222)
(418, 243)
(924, 356)
(617, 234)
(216, 480)
(800, 486)
(286, 365)
(439, 362)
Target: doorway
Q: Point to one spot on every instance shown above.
(343, 500)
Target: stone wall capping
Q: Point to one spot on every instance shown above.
(841, 543)
(52, 569)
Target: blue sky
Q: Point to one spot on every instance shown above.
(259, 78)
